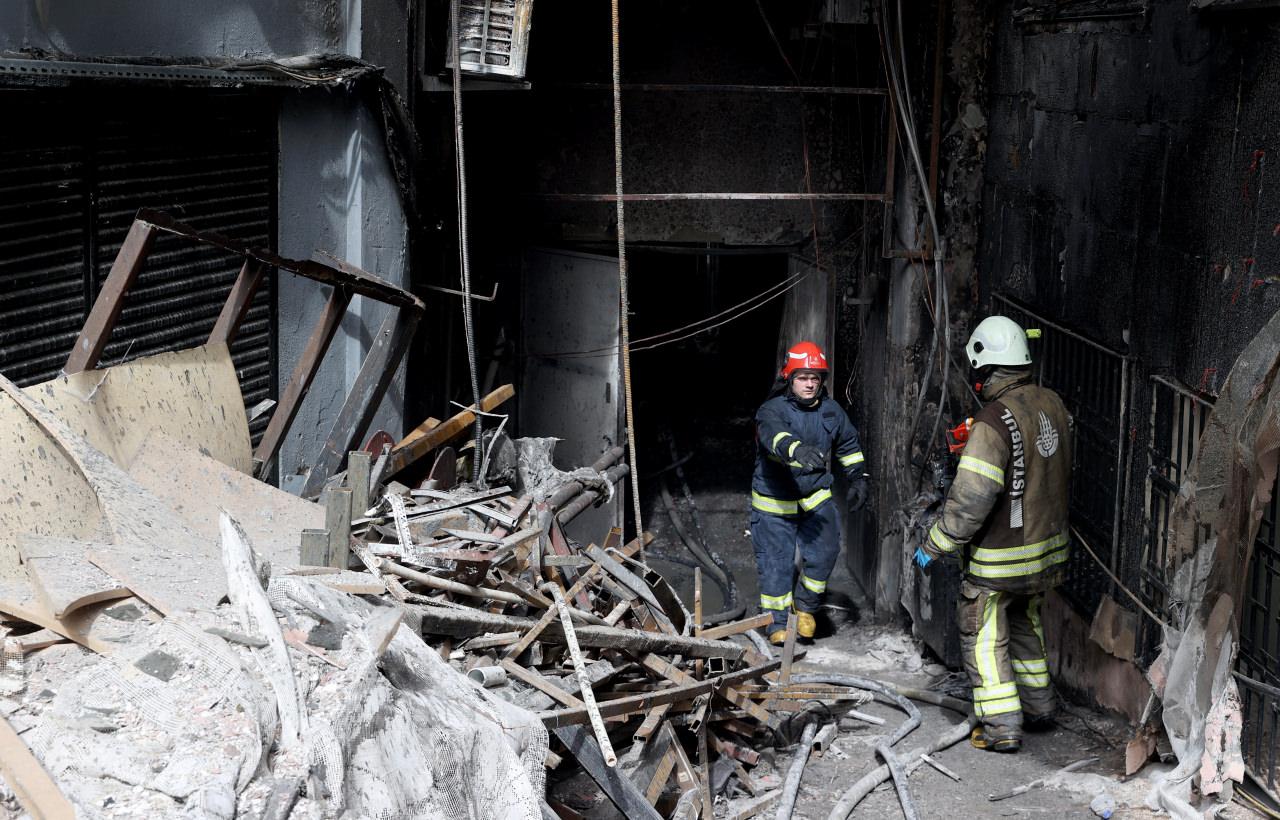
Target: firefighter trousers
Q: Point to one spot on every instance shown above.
(775, 538)
(1004, 654)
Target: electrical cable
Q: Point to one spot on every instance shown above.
(624, 308)
(463, 252)
(765, 296)
(899, 92)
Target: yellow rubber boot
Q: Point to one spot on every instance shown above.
(805, 624)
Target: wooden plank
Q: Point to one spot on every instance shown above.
(455, 426)
(106, 308)
(463, 623)
(757, 806)
(359, 464)
(540, 683)
(788, 651)
(490, 641)
(337, 520)
(548, 617)
(667, 670)
(315, 548)
(300, 382)
(647, 700)
(418, 432)
(616, 785)
(364, 398)
(238, 302)
(737, 627)
(661, 774)
(35, 789)
(686, 775)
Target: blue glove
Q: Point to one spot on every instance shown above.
(923, 558)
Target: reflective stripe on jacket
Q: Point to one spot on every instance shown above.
(1007, 508)
(780, 486)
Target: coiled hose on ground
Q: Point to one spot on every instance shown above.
(884, 749)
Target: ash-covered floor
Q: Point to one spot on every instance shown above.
(718, 477)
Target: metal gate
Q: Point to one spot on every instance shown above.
(73, 175)
(1258, 661)
(1093, 382)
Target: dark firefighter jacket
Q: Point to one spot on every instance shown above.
(1006, 511)
(781, 486)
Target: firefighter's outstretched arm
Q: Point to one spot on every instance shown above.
(978, 484)
(778, 440)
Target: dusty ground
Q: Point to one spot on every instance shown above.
(849, 644)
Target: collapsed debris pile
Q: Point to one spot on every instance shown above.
(187, 641)
(661, 712)
(181, 639)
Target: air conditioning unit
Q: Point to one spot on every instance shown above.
(495, 36)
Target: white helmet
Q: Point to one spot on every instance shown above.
(998, 340)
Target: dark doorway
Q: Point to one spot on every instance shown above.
(695, 397)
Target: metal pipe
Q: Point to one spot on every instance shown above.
(730, 88)
(445, 585)
(773, 196)
(571, 489)
(584, 679)
(791, 786)
(588, 497)
(762, 646)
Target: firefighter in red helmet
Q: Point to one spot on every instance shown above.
(800, 431)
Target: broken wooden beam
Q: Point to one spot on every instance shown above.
(416, 447)
(106, 308)
(389, 346)
(647, 700)
(463, 623)
(300, 381)
(616, 785)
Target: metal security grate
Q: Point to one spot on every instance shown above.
(1178, 417)
(1093, 382)
(1259, 658)
(495, 36)
(72, 179)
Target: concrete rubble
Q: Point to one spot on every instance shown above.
(182, 640)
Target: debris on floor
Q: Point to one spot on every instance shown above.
(181, 639)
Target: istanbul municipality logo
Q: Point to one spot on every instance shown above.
(1047, 440)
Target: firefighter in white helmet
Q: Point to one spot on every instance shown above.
(1005, 517)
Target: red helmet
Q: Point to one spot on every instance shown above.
(804, 356)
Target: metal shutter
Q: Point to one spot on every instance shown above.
(69, 188)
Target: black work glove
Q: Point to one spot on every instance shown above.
(809, 457)
(856, 495)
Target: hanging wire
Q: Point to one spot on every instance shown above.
(693, 328)
(464, 256)
(899, 99)
(624, 309)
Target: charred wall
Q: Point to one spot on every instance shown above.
(527, 145)
(1127, 195)
(1126, 182)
